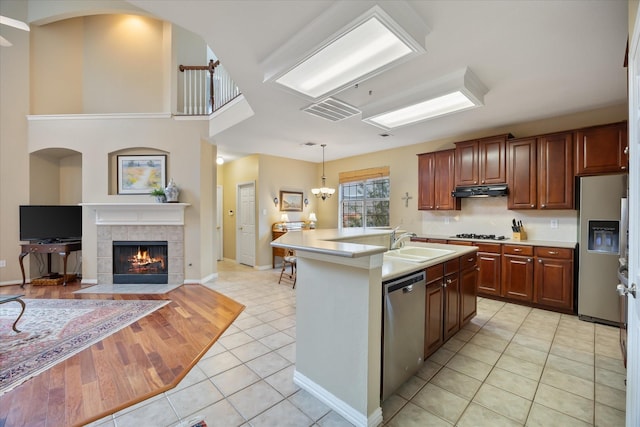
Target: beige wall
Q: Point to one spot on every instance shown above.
(14, 162)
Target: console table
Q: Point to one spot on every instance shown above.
(63, 249)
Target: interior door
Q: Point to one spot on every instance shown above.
(219, 217)
(633, 306)
(246, 223)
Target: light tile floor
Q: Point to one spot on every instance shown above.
(511, 366)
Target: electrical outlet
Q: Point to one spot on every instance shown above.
(554, 223)
(447, 220)
(3, 263)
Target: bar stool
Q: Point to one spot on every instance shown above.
(289, 260)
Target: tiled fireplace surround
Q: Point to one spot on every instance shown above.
(149, 222)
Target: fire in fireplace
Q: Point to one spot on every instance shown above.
(140, 262)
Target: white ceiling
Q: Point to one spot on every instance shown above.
(538, 59)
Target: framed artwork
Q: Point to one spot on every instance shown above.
(141, 174)
(290, 201)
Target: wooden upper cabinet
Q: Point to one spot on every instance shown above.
(492, 160)
(426, 181)
(466, 165)
(436, 181)
(445, 175)
(555, 171)
(482, 161)
(602, 149)
(522, 175)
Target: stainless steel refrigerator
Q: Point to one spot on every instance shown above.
(601, 244)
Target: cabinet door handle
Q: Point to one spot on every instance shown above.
(626, 150)
(448, 281)
(553, 252)
(529, 259)
(543, 206)
(517, 250)
(540, 261)
(623, 167)
(533, 206)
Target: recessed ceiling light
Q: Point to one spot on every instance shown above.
(456, 92)
(373, 42)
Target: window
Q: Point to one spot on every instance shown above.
(365, 204)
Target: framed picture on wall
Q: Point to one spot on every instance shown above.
(290, 201)
(141, 174)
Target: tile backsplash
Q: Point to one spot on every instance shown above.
(491, 216)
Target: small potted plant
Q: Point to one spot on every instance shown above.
(158, 193)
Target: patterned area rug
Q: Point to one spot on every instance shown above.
(56, 329)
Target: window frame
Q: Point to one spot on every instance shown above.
(363, 202)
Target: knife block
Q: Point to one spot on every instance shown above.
(519, 235)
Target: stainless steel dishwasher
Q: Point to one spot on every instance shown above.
(403, 329)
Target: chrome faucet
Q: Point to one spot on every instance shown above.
(398, 241)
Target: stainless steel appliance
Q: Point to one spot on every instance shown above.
(601, 243)
(403, 330)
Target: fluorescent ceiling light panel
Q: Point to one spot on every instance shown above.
(452, 102)
(13, 23)
(361, 51)
(336, 51)
(456, 92)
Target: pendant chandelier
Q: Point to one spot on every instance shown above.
(323, 192)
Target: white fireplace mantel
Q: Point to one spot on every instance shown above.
(138, 213)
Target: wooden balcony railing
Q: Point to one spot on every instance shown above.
(204, 89)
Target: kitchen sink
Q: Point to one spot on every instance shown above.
(417, 254)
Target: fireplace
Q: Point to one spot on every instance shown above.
(140, 262)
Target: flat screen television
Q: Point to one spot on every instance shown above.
(50, 223)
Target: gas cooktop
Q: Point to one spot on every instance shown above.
(479, 236)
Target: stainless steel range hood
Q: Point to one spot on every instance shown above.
(496, 190)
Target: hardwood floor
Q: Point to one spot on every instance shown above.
(141, 360)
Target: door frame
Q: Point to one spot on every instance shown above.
(633, 304)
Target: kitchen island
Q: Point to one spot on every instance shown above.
(339, 314)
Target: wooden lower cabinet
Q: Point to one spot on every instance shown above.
(553, 274)
(450, 300)
(517, 282)
(468, 287)
(434, 306)
(489, 268)
(451, 285)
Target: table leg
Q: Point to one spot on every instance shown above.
(22, 255)
(65, 255)
(21, 313)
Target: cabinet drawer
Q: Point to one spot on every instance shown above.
(468, 261)
(517, 250)
(419, 239)
(493, 248)
(459, 242)
(452, 266)
(560, 253)
(435, 272)
(437, 240)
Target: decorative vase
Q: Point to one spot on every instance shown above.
(172, 192)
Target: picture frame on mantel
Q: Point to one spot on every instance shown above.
(290, 201)
(141, 174)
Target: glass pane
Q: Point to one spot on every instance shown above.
(378, 189)
(352, 214)
(377, 214)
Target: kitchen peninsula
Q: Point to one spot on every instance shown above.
(339, 314)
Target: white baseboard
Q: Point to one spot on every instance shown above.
(347, 411)
(89, 281)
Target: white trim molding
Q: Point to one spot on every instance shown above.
(138, 213)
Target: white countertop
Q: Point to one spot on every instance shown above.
(508, 241)
(336, 242)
